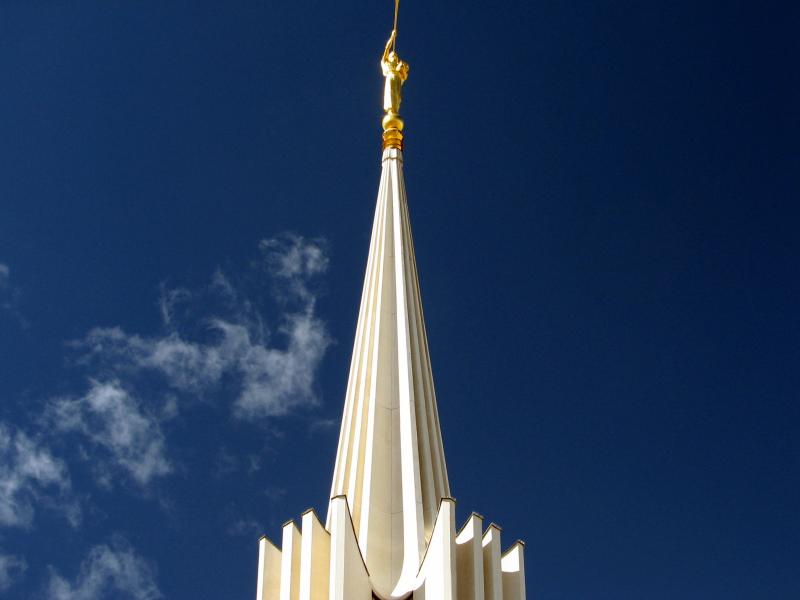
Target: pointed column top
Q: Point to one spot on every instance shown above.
(390, 462)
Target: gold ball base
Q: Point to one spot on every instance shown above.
(392, 138)
(392, 131)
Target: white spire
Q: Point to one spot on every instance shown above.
(390, 462)
(390, 531)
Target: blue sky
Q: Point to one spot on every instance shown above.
(603, 197)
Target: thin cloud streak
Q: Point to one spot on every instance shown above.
(214, 341)
(30, 474)
(114, 422)
(12, 568)
(10, 296)
(108, 570)
(273, 374)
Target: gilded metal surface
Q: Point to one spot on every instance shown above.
(395, 73)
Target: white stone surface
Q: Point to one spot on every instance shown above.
(390, 530)
(469, 559)
(513, 565)
(290, 562)
(492, 572)
(390, 462)
(315, 553)
(349, 575)
(269, 570)
(437, 579)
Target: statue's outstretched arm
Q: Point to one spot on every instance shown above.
(389, 45)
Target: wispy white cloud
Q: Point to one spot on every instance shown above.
(168, 299)
(275, 381)
(109, 570)
(187, 365)
(274, 493)
(112, 420)
(244, 527)
(12, 569)
(225, 464)
(273, 374)
(320, 425)
(30, 474)
(214, 340)
(295, 261)
(10, 296)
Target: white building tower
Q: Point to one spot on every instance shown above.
(390, 531)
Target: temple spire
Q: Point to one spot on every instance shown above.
(390, 532)
(390, 462)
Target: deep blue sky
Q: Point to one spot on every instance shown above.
(604, 201)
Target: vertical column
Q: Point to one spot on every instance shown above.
(438, 571)
(513, 565)
(469, 559)
(269, 570)
(290, 562)
(349, 579)
(492, 574)
(315, 553)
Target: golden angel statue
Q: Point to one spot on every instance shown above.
(396, 72)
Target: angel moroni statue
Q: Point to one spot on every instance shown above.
(395, 72)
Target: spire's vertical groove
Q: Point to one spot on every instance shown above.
(363, 343)
(435, 440)
(409, 458)
(344, 454)
(368, 488)
(419, 350)
(368, 382)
